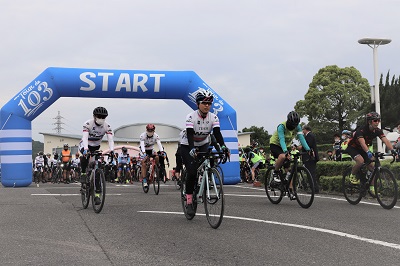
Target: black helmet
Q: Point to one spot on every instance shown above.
(40, 153)
(293, 118)
(66, 145)
(373, 116)
(124, 149)
(100, 111)
(204, 96)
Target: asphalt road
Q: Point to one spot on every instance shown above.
(46, 225)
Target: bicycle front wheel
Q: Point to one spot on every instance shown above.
(100, 190)
(303, 187)
(85, 196)
(156, 180)
(273, 189)
(352, 192)
(213, 198)
(386, 189)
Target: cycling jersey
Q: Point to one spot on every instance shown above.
(39, 162)
(123, 158)
(93, 134)
(76, 162)
(65, 156)
(147, 143)
(202, 128)
(367, 134)
(283, 137)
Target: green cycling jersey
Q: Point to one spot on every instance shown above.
(283, 137)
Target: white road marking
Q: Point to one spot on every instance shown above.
(47, 194)
(322, 230)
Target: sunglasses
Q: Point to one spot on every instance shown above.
(101, 116)
(376, 120)
(206, 103)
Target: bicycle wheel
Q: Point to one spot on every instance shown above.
(352, 192)
(85, 196)
(183, 197)
(213, 198)
(221, 173)
(303, 187)
(99, 175)
(386, 189)
(156, 180)
(273, 190)
(138, 174)
(177, 182)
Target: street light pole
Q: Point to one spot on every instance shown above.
(374, 44)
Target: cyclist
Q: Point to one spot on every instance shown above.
(358, 146)
(281, 140)
(147, 141)
(93, 132)
(199, 125)
(123, 159)
(66, 157)
(346, 135)
(162, 157)
(255, 161)
(39, 165)
(76, 163)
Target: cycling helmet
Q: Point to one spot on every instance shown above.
(77, 154)
(66, 145)
(48, 154)
(100, 111)
(373, 116)
(293, 118)
(204, 96)
(40, 153)
(346, 132)
(150, 127)
(124, 149)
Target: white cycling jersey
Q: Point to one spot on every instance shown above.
(202, 128)
(39, 161)
(93, 134)
(147, 144)
(76, 162)
(124, 158)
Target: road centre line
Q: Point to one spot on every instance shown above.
(322, 230)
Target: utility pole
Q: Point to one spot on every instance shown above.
(58, 123)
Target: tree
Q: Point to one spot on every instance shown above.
(259, 134)
(336, 99)
(390, 105)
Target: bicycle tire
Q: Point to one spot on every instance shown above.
(156, 180)
(351, 192)
(85, 196)
(303, 187)
(98, 174)
(183, 197)
(214, 202)
(138, 174)
(386, 189)
(274, 191)
(177, 182)
(221, 173)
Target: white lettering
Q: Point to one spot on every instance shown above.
(124, 81)
(84, 78)
(141, 84)
(157, 78)
(105, 80)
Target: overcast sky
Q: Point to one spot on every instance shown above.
(260, 56)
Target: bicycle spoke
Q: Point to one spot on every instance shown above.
(303, 186)
(213, 196)
(386, 189)
(352, 192)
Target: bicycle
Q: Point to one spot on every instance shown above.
(177, 181)
(296, 184)
(383, 180)
(57, 173)
(208, 187)
(95, 184)
(152, 176)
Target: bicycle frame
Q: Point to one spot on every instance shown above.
(202, 170)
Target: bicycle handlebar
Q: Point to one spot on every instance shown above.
(220, 155)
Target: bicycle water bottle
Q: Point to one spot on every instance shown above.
(287, 176)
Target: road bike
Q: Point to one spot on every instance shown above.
(297, 184)
(125, 174)
(152, 176)
(57, 173)
(208, 187)
(382, 179)
(177, 180)
(96, 183)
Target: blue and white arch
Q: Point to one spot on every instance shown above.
(17, 115)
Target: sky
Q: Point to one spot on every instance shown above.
(260, 56)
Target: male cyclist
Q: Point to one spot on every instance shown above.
(199, 125)
(66, 157)
(93, 132)
(123, 159)
(358, 145)
(281, 140)
(76, 163)
(147, 141)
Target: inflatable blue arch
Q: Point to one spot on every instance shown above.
(17, 115)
